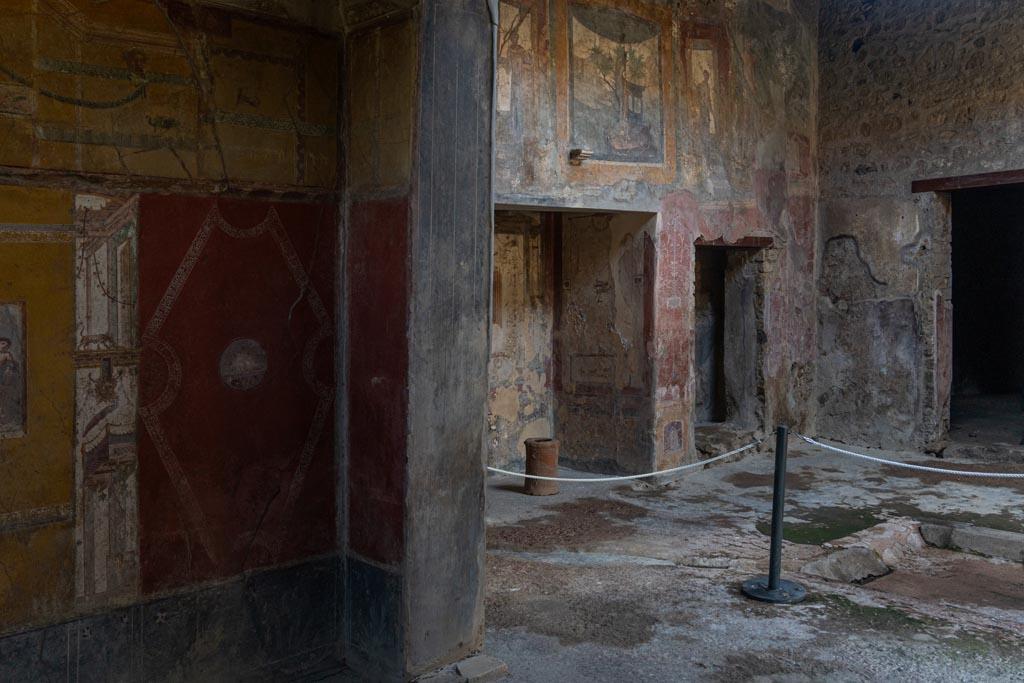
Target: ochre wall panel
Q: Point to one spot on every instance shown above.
(37, 582)
(37, 465)
(37, 403)
(34, 206)
(236, 452)
(381, 77)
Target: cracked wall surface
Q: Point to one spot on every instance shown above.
(910, 90)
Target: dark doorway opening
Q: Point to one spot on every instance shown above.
(709, 329)
(987, 405)
(727, 343)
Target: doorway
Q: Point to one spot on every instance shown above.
(570, 332)
(727, 346)
(987, 398)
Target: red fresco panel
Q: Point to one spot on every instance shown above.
(378, 346)
(237, 382)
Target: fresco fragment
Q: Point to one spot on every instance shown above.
(12, 370)
(106, 397)
(616, 101)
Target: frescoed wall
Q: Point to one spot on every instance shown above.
(37, 401)
(141, 457)
(107, 103)
(236, 386)
(615, 72)
(702, 113)
(166, 90)
(521, 397)
(604, 324)
(106, 357)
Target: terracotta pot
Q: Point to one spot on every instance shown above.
(541, 461)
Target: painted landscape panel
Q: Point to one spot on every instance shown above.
(615, 85)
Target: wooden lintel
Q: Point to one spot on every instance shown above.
(749, 242)
(968, 182)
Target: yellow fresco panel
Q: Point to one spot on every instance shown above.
(321, 162)
(256, 153)
(63, 155)
(37, 583)
(35, 468)
(111, 15)
(35, 205)
(102, 158)
(322, 72)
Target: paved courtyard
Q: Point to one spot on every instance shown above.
(631, 582)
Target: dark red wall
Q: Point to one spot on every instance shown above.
(231, 479)
(378, 346)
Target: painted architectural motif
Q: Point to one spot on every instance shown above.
(525, 136)
(517, 101)
(704, 82)
(705, 52)
(515, 59)
(106, 389)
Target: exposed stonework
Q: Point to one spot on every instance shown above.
(910, 90)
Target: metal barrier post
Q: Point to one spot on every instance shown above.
(774, 588)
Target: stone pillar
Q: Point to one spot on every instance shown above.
(418, 262)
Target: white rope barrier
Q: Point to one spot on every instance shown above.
(632, 476)
(938, 470)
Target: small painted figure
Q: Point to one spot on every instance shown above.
(10, 389)
(706, 103)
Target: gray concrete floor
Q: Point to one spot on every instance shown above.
(615, 583)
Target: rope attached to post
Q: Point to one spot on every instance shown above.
(632, 476)
(922, 468)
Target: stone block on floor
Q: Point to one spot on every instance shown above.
(850, 565)
(979, 540)
(475, 669)
(481, 669)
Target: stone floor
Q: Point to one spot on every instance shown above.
(987, 426)
(617, 582)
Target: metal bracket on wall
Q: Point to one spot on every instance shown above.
(578, 156)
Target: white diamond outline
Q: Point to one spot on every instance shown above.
(150, 413)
